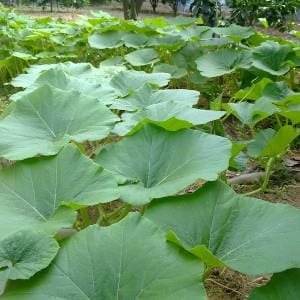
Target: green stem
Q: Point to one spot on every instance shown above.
(278, 120)
(252, 192)
(102, 214)
(268, 173)
(121, 213)
(85, 217)
(252, 130)
(265, 183)
(113, 217)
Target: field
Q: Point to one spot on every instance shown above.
(150, 159)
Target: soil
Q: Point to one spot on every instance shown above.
(115, 9)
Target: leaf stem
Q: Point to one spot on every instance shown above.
(85, 217)
(278, 120)
(268, 173)
(265, 183)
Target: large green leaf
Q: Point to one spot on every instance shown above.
(269, 99)
(173, 70)
(223, 228)
(282, 286)
(275, 92)
(254, 91)
(155, 163)
(146, 96)
(45, 120)
(106, 40)
(224, 61)
(24, 253)
(252, 113)
(234, 32)
(142, 57)
(259, 141)
(271, 57)
(114, 39)
(60, 80)
(135, 40)
(128, 81)
(290, 108)
(168, 115)
(84, 70)
(32, 190)
(128, 260)
(270, 143)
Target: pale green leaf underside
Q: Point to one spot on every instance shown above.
(31, 191)
(147, 95)
(246, 234)
(155, 163)
(24, 253)
(130, 80)
(61, 80)
(83, 70)
(128, 260)
(45, 120)
(170, 115)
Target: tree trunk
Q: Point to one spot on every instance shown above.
(125, 9)
(133, 10)
(154, 5)
(175, 7)
(138, 5)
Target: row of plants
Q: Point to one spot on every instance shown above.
(106, 133)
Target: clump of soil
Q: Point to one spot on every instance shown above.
(226, 284)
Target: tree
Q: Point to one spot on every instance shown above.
(132, 8)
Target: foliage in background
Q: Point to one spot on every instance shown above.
(278, 13)
(210, 11)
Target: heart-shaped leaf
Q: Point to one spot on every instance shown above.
(271, 57)
(147, 95)
(226, 229)
(290, 108)
(234, 32)
(31, 191)
(224, 61)
(252, 113)
(153, 162)
(45, 120)
(128, 260)
(142, 57)
(254, 91)
(173, 70)
(130, 80)
(24, 253)
(59, 79)
(106, 40)
(170, 115)
(83, 70)
(269, 143)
